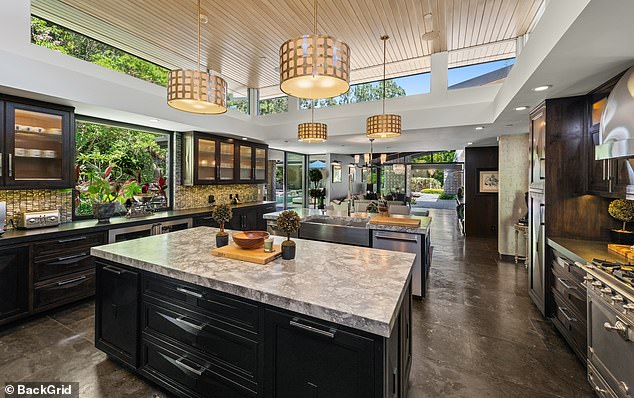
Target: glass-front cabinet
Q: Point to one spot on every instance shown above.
(245, 159)
(206, 159)
(260, 164)
(36, 150)
(227, 161)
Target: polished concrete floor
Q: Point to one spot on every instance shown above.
(476, 335)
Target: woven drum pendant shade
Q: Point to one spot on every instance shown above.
(383, 125)
(312, 132)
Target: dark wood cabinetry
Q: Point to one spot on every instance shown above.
(538, 148)
(14, 272)
(247, 218)
(209, 159)
(36, 145)
(198, 342)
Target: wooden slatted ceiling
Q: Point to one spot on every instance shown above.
(242, 38)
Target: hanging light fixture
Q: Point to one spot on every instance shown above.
(312, 132)
(398, 168)
(383, 125)
(356, 159)
(383, 158)
(314, 66)
(196, 91)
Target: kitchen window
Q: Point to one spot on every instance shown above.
(138, 154)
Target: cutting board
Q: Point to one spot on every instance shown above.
(396, 221)
(623, 250)
(257, 256)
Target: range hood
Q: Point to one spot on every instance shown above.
(616, 133)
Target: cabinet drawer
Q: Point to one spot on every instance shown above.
(70, 287)
(67, 245)
(572, 326)
(572, 294)
(187, 373)
(62, 265)
(567, 269)
(214, 339)
(270, 208)
(206, 302)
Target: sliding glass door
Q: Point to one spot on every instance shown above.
(295, 180)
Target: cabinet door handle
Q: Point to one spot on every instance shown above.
(567, 286)
(568, 317)
(182, 320)
(1, 169)
(10, 165)
(81, 278)
(330, 334)
(199, 371)
(110, 268)
(71, 257)
(189, 292)
(404, 239)
(61, 241)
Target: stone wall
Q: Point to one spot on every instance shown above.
(32, 200)
(513, 167)
(196, 196)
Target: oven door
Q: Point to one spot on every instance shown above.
(611, 345)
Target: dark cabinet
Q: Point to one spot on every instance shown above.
(14, 270)
(405, 339)
(537, 255)
(209, 159)
(117, 312)
(538, 148)
(37, 145)
(309, 359)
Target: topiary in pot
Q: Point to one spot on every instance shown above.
(222, 214)
(288, 221)
(622, 210)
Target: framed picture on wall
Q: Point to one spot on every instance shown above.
(488, 181)
(336, 173)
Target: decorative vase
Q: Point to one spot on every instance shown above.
(222, 240)
(622, 237)
(288, 251)
(103, 211)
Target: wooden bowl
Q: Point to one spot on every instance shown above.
(250, 239)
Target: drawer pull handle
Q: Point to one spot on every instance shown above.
(114, 270)
(624, 387)
(189, 292)
(81, 278)
(182, 320)
(61, 241)
(396, 238)
(568, 317)
(330, 334)
(72, 257)
(567, 286)
(199, 371)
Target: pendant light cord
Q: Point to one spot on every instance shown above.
(198, 36)
(315, 17)
(312, 111)
(384, 38)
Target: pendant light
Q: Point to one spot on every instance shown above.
(383, 125)
(314, 66)
(196, 91)
(312, 132)
(383, 158)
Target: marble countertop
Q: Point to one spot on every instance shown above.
(584, 251)
(308, 214)
(358, 287)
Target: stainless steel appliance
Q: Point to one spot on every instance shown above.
(346, 232)
(610, 329)
(38, 219)
(408, 243)
(3, 216)
(537, 252)
(142, 231)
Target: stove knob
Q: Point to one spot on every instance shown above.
(628, 307)
(597, 284)
(606, 290)
(588, 278)
(617, 298)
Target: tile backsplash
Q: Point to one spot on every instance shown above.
(41, 199)
(191, 197)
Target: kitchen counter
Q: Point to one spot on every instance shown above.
(16, 236)
(584, 251)
(361, 288)
(307, 214)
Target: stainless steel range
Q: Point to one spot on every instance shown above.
(610, 328)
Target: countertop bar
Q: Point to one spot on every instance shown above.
(358, 287)
(584, 251)
(16, 236)
(306, 214)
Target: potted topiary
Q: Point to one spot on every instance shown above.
(288, 221)
(622, 210)
(102, 190)
(316, 193)
(222, 214)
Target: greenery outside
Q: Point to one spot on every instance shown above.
(273, 105)
(436, 157)
(132, 154)
(362, 92)
(241, 104)
(65, 41)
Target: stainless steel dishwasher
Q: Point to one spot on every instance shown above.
(408, 243)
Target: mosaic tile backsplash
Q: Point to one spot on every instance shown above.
(187, 197)
(32, 200)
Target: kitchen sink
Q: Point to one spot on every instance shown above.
(336, 230)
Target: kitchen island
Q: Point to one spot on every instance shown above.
(333, 322)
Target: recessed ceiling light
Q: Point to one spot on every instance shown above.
(521, 108)
(542, 88)
(244, 138)
(469, 143)
(154, 120)
(479, 128)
